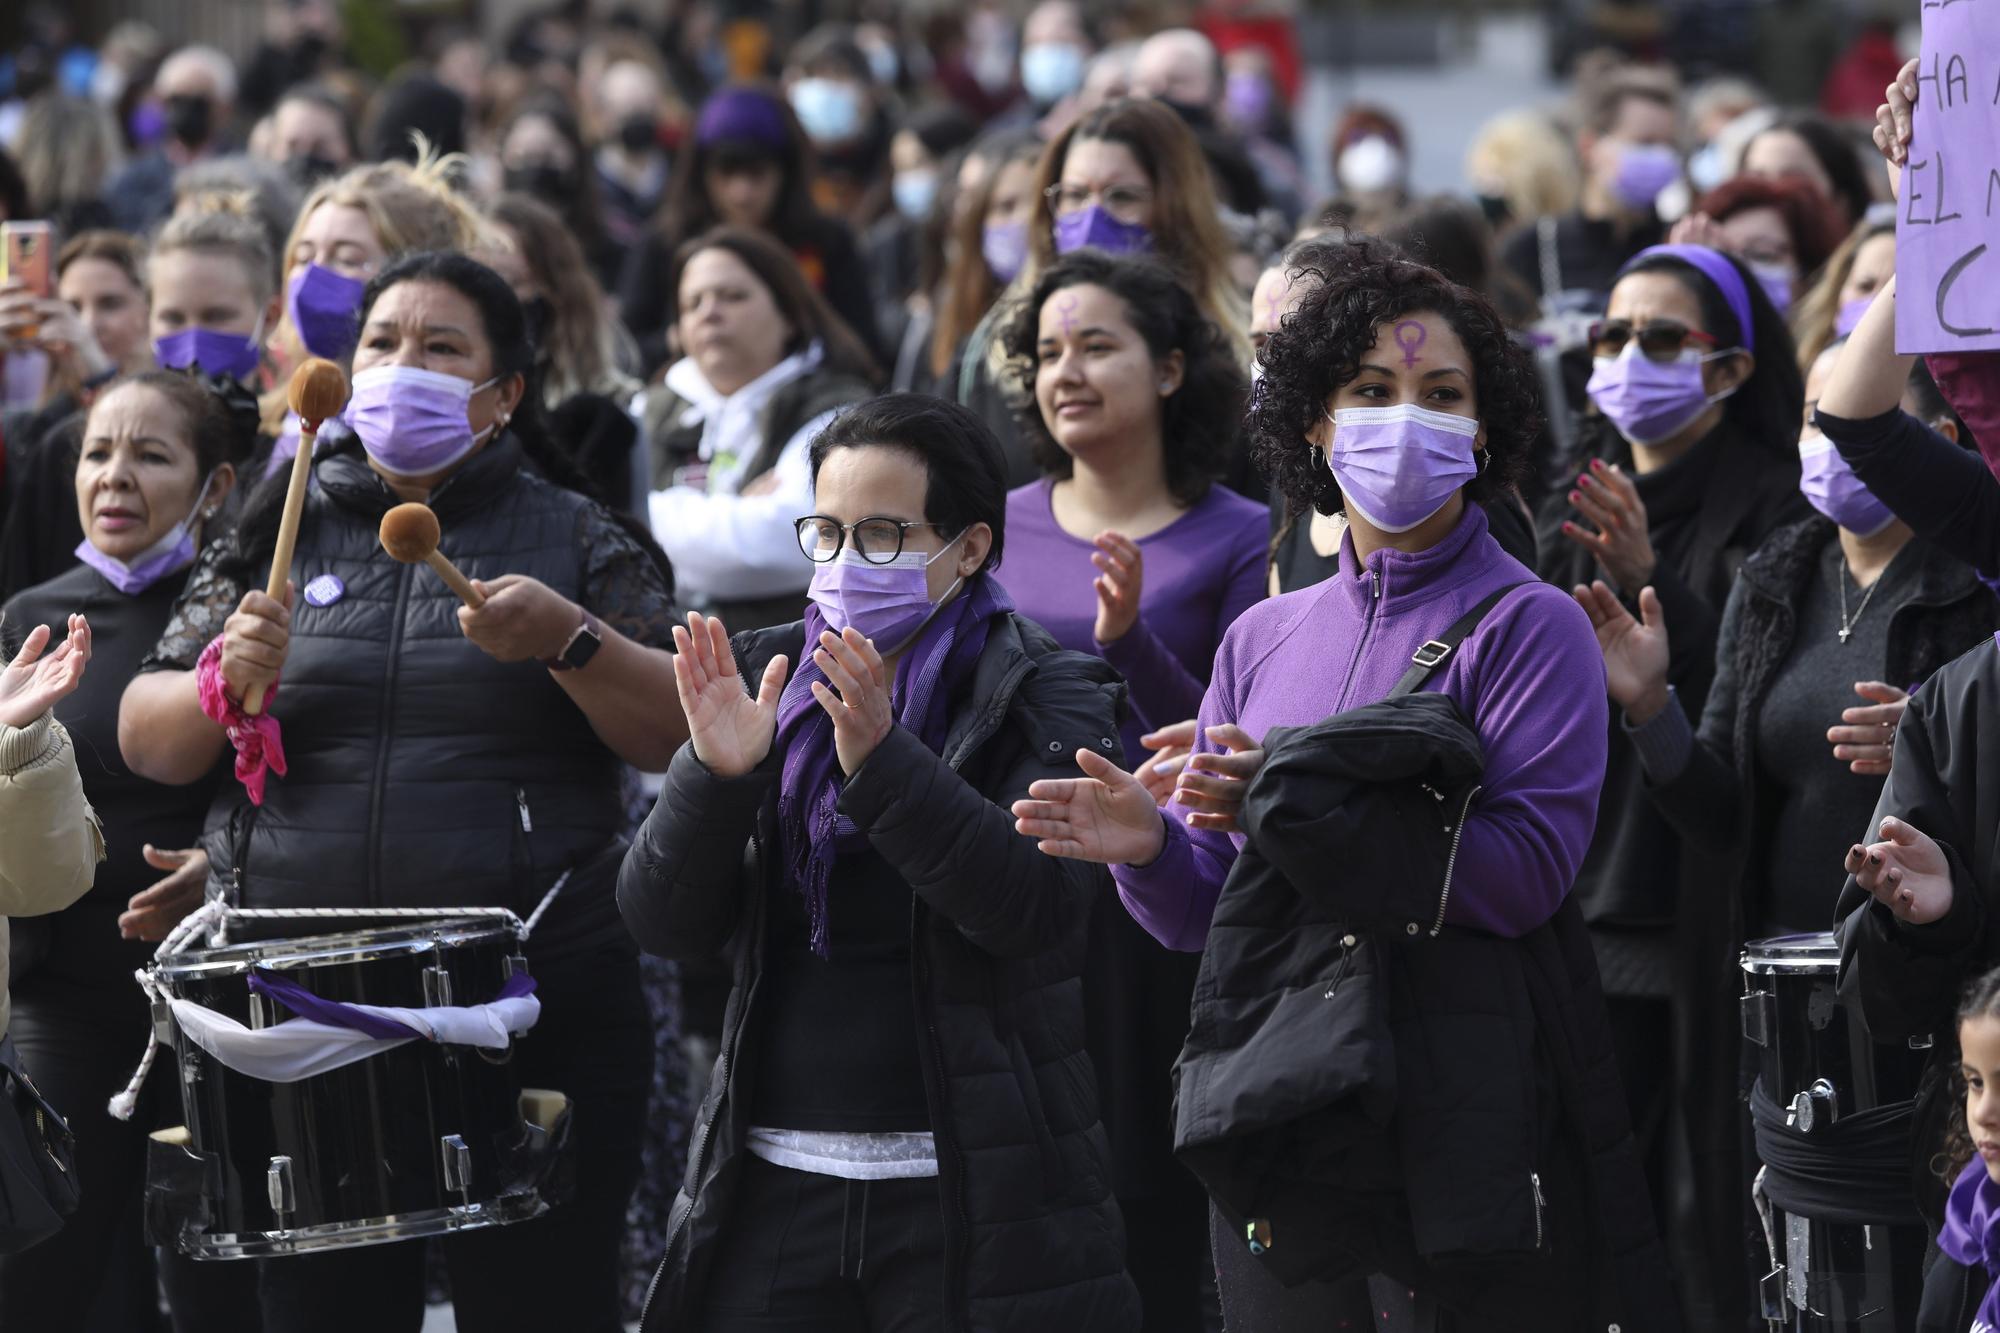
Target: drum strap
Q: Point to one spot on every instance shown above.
(1855, 1170)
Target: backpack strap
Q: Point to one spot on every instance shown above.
(1433, 654)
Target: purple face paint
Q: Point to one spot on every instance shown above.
(1066, 312)
(1411, 336)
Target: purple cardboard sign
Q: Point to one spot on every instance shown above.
(1948, 222)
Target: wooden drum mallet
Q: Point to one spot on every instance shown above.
(410, 534)
(317, 393)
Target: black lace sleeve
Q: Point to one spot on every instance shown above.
(211, 595)
(623, 586)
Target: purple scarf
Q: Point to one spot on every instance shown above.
(1971, 1233)
(811, 829)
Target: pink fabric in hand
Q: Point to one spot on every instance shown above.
(260, 748)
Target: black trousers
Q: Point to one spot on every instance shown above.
(558, 1272)
(805, 1253)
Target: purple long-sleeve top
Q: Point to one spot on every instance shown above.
(1530, 678)
(1200, 573)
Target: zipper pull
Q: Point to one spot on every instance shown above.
(521, 802)
(1535, 1184)
(1375, 579)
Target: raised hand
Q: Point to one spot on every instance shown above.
(1105, 816)
(254, 641)
(1894, 120)
(1170, 748)
(1906, 872)
(1212, 787)
(860, 711)
(1121, 575)
(732, 732)
(1635, 653)
(153, 913)
(1618, 536)
(33, 683)
(1866, 739)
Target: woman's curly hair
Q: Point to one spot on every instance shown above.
(1199, 421)
(1354, 289)
(1981, 1000)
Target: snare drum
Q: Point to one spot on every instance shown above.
(1817, 1063)
(416, 1140)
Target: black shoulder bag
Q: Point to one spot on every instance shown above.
(38, 1189)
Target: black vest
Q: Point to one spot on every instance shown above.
(422, 772)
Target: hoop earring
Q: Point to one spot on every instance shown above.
(1485, 461)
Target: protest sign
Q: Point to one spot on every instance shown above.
(1948, 223)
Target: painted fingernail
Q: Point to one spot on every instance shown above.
(1583, 481)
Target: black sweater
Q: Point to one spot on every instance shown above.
(1943, 491)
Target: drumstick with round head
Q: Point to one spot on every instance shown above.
(410, 534)
(317, 393)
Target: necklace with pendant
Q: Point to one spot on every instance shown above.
(1846, 624)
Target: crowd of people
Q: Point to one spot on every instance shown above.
(1299, 886)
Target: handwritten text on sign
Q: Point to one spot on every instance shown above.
(1948, 227)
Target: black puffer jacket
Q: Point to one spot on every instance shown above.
(1484, 1157)
(1034, 1239)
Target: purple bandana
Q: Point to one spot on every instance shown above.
(742, 114)
(336, 1014)
(811, 828)
(1971, 1235)
(1716, 267)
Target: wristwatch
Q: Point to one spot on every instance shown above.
(582, 646)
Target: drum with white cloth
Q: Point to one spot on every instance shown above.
(1832, 1113)
(349, 1089)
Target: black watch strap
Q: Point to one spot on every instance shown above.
(582, 646)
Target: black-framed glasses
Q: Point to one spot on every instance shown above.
(878, 539)
(1659, 339)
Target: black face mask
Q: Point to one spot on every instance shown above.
(190, 118)
(540, 317)
(551, 184)
(309, 169)
(638, 134)
(1495, 208)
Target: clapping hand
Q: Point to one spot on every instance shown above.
(1866, 739)
(1106, 816)
(860, 710)
(1170, 748)
(1212, 788)
(1621, 541)
(731, 732)
(1121, 574)
(1635, 652)
(1906, 872)
(33, 682)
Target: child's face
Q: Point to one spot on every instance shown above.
(1979, 1053)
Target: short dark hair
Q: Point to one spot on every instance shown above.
(1366, 283)
(1609, 104)
(220, 415)
(1838, 154)
(966, 472)
(801, 306)
(1198, 421)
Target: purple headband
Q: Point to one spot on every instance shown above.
(1714, 266)
(742, 113)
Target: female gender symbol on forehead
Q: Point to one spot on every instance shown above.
(1066, 311)
(1410, 336)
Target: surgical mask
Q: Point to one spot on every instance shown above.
(190, 119)
(325, 310)
(889, 603)
(883, 63)
(309, 169)
(1849, 317)
(1051, 71)
(1246, 100)
(1831, 487)
(172, 553)
(211, 351)
(1005, 248)
(829, 109)
(1707, 168)
(1644, 169)
(545, 181)
(1397, 466)
(638, 134)
(1369, 165)
(914, 192)
(1647, 400)
(413, 422)
(1093, 226)
(1776, 280)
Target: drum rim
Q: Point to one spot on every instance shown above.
(332, 949)
(1810, 953)
(518, 1205)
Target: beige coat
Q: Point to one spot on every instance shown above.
(50, 842)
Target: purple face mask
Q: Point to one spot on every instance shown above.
(412, 422)
(889, 603)
(325, 308)
(1096, 228)
(1397, 466)
(1644, 169)
(211, 351)
(1005, 248)
(1831, 487)
(172, 553)
(1850, 315)
(1647, 400)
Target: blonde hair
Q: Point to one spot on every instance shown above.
(1818, 310)
(223, 224)
(1528, 157)
(68, 149)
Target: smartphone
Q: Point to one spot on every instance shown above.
(24, 249)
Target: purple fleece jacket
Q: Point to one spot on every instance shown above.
(1530, 678)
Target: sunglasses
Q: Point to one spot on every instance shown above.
(1659, 339)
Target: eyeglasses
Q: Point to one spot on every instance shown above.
(1659, 339)
(1127, 203)
(879, 540)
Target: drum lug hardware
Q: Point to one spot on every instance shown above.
(1815, 1108)
(260, 1013)
(1798, 1258)
(1771, 1297)
(437, 987)
(1921, 1043)
(457, 1167)
(517, 964)
(278, 1186)
(163, 1023)
(1758, 1017)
